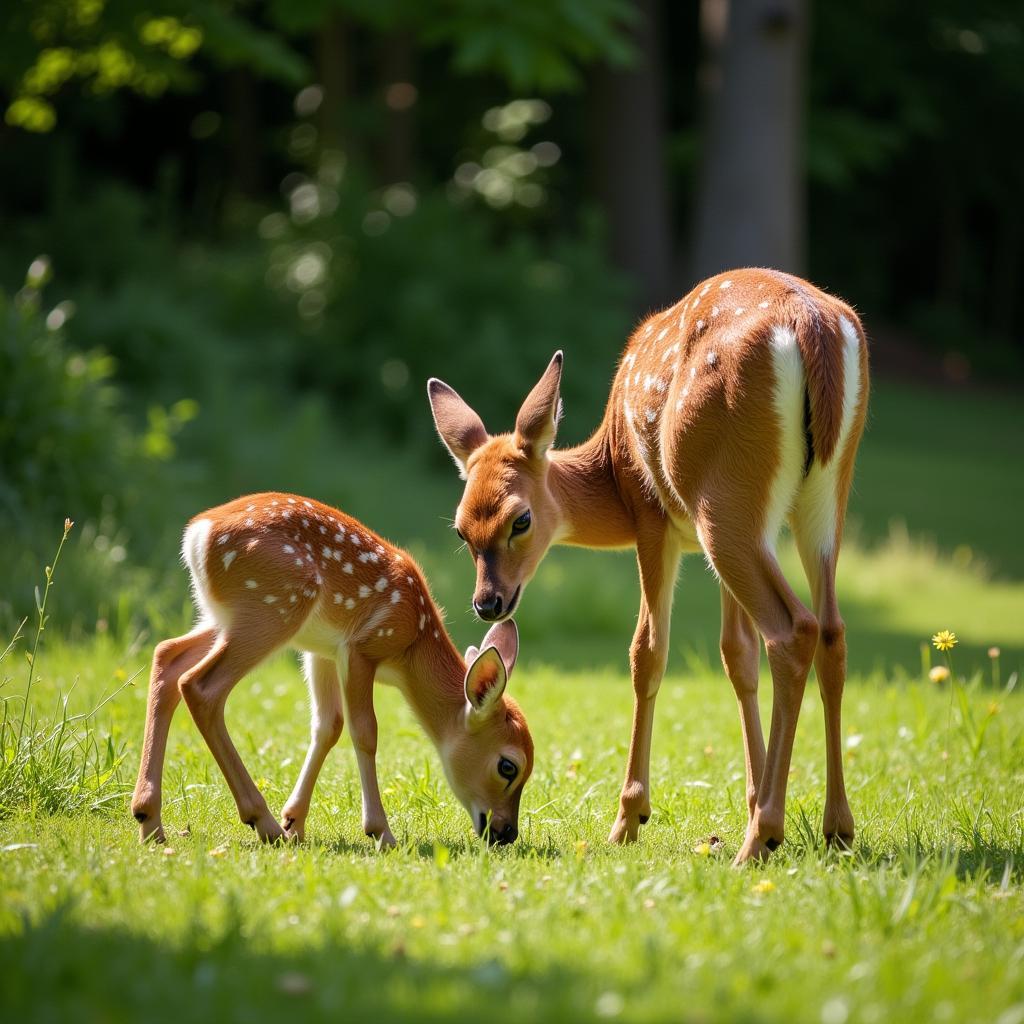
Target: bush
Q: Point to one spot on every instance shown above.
(69, 449)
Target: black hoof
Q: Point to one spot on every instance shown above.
(772, 844)
(644, 818)
(140, 816)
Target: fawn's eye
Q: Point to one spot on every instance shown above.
(522, 524)
(507, 769)
(459, 532)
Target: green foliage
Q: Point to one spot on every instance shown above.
(62, 431)
(52, 763)
(388, 299)
(109, 45)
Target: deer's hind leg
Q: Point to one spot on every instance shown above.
(748, 568)
(817, 533)
(741, 653)
(171, 659)
(205, 689)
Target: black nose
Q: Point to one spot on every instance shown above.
(489, 608)
(509, 834)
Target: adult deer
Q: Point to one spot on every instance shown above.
(737, 409)
(276, 570)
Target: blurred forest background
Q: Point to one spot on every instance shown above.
(238, 235)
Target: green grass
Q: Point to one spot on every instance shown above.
(923, 922)
(926, 914)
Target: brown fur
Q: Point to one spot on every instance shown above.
(691, 455)
(274, 570)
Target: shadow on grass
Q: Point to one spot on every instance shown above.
(60, 970)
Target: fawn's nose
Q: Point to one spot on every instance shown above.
(489, 608)
(509, 834)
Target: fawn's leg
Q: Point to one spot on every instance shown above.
(741, 653)
(327, 722)
(205, 689)
(357, 688)
(658, 561)
(171, 659)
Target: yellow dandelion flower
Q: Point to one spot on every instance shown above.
(944, 640)
(939, 674)
(993, 653)
(764, 886)
(702, 849)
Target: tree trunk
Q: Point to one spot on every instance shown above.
(397, 144)
(335, 71)
(628, 145)
(751, 197)
(244, 134)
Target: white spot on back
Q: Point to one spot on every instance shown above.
(347, 567)
(251, 584)
(651, 415)
(229, 557)
(715, 311)
(364, 590)
(738, 310)
(338, 598)
(395, 597)
(726, 284)
(712, 358)
(700, 325)
(288, 549)
(762, 305)
(269, 599)
(381, 584)
(350, 603)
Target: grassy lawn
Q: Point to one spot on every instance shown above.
(925, 915)
(923, 921)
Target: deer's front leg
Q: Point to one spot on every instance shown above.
(658, 561)
(325, 727)
(362, 721)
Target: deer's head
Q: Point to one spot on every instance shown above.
(508, 516)
(489, 756)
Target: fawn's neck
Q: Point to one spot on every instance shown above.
(582, 480)
(435, 684)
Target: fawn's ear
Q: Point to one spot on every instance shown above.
(485, 682)
(504, 637)
(538, 416)
(461, 430)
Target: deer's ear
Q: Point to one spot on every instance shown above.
(485, 682)
(504, 637)
(461, 430)
(538, 417)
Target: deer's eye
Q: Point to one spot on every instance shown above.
(459, 532)
(522, 524)
(507, 769)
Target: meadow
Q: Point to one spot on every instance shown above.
(922, 920)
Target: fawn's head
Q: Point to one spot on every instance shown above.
(490, 756)
(508, 516)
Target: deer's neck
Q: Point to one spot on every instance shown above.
(434, 685)
(582, 480)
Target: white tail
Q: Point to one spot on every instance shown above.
(276, 570)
